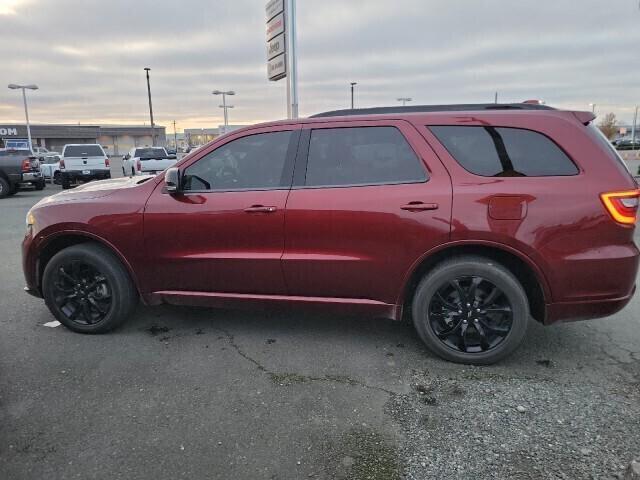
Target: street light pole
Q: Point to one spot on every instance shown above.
(593, 107)
(224, 105)
(353, 84)
(153, 129)
(404, 100)
(634, 129)
(13, 86)
(175, 137)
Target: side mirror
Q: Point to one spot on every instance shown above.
(172, 180)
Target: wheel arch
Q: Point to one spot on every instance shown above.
(527, 273)
(61, 240)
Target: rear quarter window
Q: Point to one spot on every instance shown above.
(504, 151)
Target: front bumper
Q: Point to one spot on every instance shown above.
(30, 265)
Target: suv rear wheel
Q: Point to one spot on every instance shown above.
(471, 310)
(87, 289)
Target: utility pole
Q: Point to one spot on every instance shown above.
(153, 129)
(175, 137)
(292, 58)
(404, 100)
(353, 84)
(495, 100)
(634, 129)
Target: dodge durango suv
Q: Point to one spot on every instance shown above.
(469, 219)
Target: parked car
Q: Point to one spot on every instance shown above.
(471, 219)
(43, 152)
(83, 163)
(50, 167)
(17, 168)
(147, 160)
(628, 144)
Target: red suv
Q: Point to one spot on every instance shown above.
(470, 218)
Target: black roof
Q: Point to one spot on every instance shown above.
(433, 108)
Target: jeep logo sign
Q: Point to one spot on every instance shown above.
(8, 131)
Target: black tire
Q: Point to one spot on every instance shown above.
(5, 188)
(115, 291)
(13, 189)
(40, 185)
(64, 181)
(133, 172)
(56, 178)
(454, 327)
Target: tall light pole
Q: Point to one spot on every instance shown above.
(224, 105)
(593, 107)
(153, 127)
(634, 129)
(13, 86)
(353, 84)
(404, 100)
(175, 137)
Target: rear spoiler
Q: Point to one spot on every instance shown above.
(585, 117)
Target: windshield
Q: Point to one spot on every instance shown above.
(83, 151)
(146, 153)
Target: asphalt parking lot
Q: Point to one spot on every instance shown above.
(196, 393)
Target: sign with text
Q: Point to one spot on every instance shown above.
(277, 68)
(275, 26)
(274, 7)
(276, 46)
(276, 40)
(8, 131)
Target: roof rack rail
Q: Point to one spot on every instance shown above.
(463, 107)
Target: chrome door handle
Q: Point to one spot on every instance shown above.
(260, 209)
(419, 206)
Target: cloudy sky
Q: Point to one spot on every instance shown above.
(88, 56)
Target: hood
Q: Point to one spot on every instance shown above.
(96, 189)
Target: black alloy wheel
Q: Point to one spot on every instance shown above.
(88, 288)
(470, 309)
(470, 314)
(82, 293)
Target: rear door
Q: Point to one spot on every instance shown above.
(369, 200)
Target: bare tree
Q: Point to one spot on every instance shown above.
(609, 125)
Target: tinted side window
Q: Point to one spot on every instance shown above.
(361, 156)
(504, 152)
(252, 162)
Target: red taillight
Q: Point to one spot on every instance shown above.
(139, 165)
(106, 161)
(622, 206)
(61, 163)
(26, 165)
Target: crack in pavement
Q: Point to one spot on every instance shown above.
(295, 377)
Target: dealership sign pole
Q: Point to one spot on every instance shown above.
(281, 49)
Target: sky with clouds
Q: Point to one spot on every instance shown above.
(88, 56)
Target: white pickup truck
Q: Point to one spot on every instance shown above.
(147, 160)
(82, 163)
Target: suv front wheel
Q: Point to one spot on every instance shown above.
(88, 289)
(471, 310)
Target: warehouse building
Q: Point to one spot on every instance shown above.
(116, 139)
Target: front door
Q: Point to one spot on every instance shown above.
(372, 200)
(225, 231)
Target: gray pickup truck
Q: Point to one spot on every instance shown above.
(18, 167)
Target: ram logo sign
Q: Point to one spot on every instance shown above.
(8, 131)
